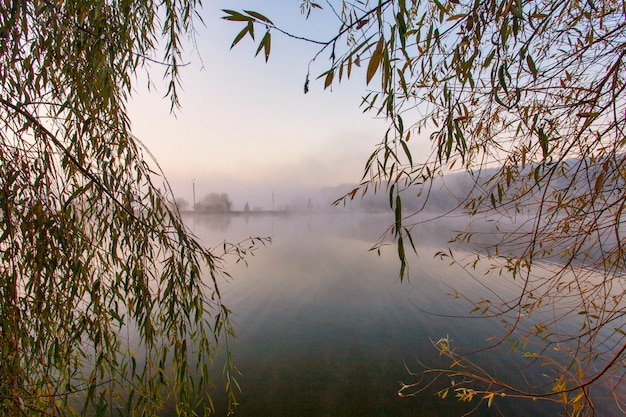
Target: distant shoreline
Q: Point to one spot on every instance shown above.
(271, 212)
(241, 212)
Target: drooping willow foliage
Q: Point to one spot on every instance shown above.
(527, 98)
(107, 303)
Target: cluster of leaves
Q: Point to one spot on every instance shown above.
(528, 97)
(250, 17)
(106, 300)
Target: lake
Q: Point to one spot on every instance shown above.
(326, 328)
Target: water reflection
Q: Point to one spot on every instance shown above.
(327, 329)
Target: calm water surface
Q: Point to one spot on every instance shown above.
(325, 327)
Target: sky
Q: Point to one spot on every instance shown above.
(245, 126)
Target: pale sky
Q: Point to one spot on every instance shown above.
(245, 126)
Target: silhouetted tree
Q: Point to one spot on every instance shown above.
(90, 249)
(214, 203)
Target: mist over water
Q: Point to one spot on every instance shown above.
(326, 328)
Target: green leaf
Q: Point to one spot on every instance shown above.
(401, 25)
(264, 45)
(239, 36)
(235, 16)
(456, 17)
(259, 16)
(251, 29)
(400, 125)
(402, 257)
(502, 77)
(544, 142)
(407, 152)
(489, 58)
(398, 213)
(440, 6)
(531, 65)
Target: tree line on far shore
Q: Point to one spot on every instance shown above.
(210, 203)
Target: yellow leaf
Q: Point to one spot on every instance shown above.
(456, 17)
(349, 65)
(599, 181)
(362, 23)
(375, 60)
(577, 398)
(489, 397)
(329, 79)
(588, 114)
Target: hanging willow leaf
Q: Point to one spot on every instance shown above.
(239, 36)
(544, 142)
(375, 60)
(531, 65)
(265, 45)
(328, 81)
(258, 16)
(235, 16)
(91, 248)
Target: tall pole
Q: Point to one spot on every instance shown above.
(193, 185)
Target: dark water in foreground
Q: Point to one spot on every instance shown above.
(325, 327)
